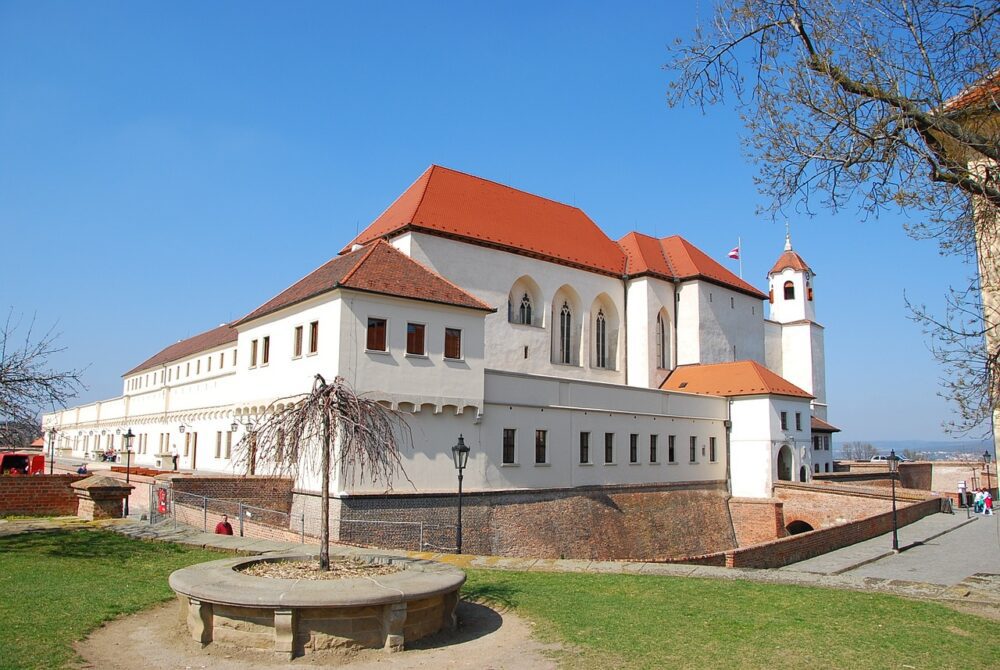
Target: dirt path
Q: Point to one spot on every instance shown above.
(486, 639)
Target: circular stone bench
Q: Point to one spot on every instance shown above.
(294, 617)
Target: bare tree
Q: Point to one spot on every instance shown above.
(28, 385)
(859, 451)
(329, 430)
(914, 455)
(856, 103)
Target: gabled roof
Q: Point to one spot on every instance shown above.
(376, 268)
(675, 258)
(210, 339)
(451, 203)
(730, 379)
(818, 425)
(789, 259)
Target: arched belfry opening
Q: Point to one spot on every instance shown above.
(785, 463)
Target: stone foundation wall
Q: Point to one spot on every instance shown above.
(613, 522)
(38, 495)
(822, 506)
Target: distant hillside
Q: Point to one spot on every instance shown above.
(934, 450)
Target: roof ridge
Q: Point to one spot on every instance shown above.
(512, 188)
(371, 249)
(423, 194)
(404, 192)
(666, 258)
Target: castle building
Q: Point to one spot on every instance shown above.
(565, 359)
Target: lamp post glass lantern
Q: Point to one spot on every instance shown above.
(460, 453)
(127, 438)
(52, 449)
(893, 473)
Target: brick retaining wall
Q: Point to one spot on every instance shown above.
(266, 492)
(38, 495)
(612, 522)
(757, 520)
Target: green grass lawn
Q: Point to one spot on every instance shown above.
(56, 586)
(631, 621)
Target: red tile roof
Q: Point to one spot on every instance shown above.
(983, 93)
(210, 339)
(789, 259)
(676, 258)
(818, 425)
(375, 268)
(730, 379)
(451, 203)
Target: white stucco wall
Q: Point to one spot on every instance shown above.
(730, 325)
(757, 437)
(801, 307)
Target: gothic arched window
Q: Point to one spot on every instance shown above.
(565, 334)
(789, 291)
(524, 312)
(661, 343)
(601, 339)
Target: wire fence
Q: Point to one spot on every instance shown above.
(253, 521)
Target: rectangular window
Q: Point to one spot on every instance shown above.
(609, 447)
(314, 337)
(415, 339)
(253, 353)
(693, 450)
(652, 449)
(297, 342)
(187, 369)
(265, 355)
(817, 440)
(508, 445)
(671, 454)
(187, 444)
(376, 335)
(222, 359)
(154, 379)
(540, 454)
(234, 357)
(197, 367)
(452, 343)
(711, 449)
(208, 361)
(170, 374)
(784, 421)
(218, 443)
(229, 443)
(798, 421)
(826, 443)
(633, 448)
(585, 447)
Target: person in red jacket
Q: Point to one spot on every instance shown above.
(224, 527)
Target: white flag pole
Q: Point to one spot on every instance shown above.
(739, 247)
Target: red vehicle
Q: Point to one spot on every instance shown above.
(21, 463)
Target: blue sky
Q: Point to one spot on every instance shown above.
(166, 168)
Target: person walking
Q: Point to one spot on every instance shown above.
(174, 455)
(977, 502)
(988, 503)
(224, 527)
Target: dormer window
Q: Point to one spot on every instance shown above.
(524, 312)
(789, 291)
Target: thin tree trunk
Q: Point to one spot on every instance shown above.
(324, 504)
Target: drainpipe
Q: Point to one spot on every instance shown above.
(729, 446)
(677, 314)
(625, 327)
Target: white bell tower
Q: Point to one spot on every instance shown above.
(790, 287)
(793, 341)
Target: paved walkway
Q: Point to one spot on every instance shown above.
(940, 577)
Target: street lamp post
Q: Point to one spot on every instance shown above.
(127, 437)
(987, 457)
(52, 449)
(893, 472)
(460, 452)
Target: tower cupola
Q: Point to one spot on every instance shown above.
(790, 287)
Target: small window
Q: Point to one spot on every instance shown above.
(671, 454)
(218, 444)
(784, 421)
(154, 378)
(633, 448)
(453, 343)
(653, 456)
(789, 291)
(524, 311)
(297, 342)
(415, 339)
(314, 337)
(265, 356)
(817, 468)
(376, 335)
(208, 363)
(253, 353)
(540, 437)
(798, 421)
(609, 447)
(170, 374)
(693, 449)
(229, 444)
(508, 445)
(817, 443)
(222, 359)
(711, 449)
(732, 302)
(187, 369)
(585, 447)
(197, 367)
(234, 357)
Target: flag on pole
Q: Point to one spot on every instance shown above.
(735, 253)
